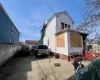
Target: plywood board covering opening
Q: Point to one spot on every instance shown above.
(60, 40)
(75, 40)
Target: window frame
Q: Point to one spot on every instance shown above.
(62, 26)
(66, 25)
(14, 31)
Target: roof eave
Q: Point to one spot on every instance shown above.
(69, 30)
(55, 14)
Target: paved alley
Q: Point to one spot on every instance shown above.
(29, 68)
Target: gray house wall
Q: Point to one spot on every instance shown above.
(8, 31)
(0, 24)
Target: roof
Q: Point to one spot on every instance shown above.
(69, 30)
(58, 13)
(31, 41)
(7, 15)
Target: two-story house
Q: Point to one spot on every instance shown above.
(60, 36)
(8, 31)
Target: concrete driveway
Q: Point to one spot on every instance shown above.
(30, 68)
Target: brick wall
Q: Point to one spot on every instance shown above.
(7, 51)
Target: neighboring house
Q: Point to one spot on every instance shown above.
(96, 48)
(21, 42)
(94, 45)
(8, 31)
(60, 36)
(31, 43)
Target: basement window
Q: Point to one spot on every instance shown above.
(62, 25)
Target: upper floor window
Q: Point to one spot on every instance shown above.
(68, 26)
(62, 25)
(65, 25)
(12, 29)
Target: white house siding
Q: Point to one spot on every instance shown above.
(74, 49)
(50, 34)
(63, 50)
(65, 19)
(68, 50)
(55, 26)
(45, 40)
(96, 48)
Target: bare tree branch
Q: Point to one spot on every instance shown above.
(92, 18)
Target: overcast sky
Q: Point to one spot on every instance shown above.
(29, 15)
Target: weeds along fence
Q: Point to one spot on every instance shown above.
(7, 51)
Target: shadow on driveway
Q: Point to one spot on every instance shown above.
(18, 68)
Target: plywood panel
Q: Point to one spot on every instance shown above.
(75, 40)
(57, 41)
(60, 39)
